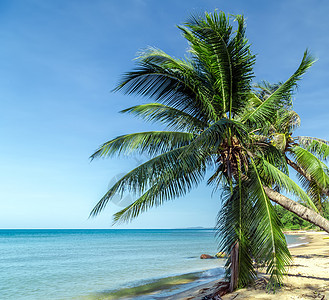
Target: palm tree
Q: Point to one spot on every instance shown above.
(304, 154)
(216, 123)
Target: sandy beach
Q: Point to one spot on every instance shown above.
(307, 278)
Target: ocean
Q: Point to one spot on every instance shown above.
(105, 264)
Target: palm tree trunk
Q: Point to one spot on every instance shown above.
(234, 267)
(298, 209)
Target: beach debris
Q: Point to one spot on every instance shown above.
(206, 256)
(216, 297)
(220, 289)
(260, 283)
(220, 254)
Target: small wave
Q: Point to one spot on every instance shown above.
(212, 273)
(150, 288)
(296, 245)
(160, 287)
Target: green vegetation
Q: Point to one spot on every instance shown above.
(219, 123)
(291, 221)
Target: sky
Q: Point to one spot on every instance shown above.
(59, 61)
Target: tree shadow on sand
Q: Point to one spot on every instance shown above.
(311, 256)
(309, 277)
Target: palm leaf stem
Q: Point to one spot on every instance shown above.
(266, 202)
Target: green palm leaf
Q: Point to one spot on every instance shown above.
(318, 147)
(312, 166)
(149, 173)
(277, 177)
(167, 115)
(273, 155)
(268, 241)
(267, 110)
(173, 181)
(151, 142)
(254, 100)
(226, 58)
(211, 139)
(233, 226)
(179, 86)
(287, 121)
(316, 193)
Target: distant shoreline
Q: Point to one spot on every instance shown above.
(192, 228)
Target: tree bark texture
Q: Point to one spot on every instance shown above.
(234, 267)
(298, 209)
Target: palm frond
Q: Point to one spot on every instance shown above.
(317, 194)
(226, 58)
(170, 81)
(312, 166)
(318, 147)
(168, 116)
(264, 89)
(172, 181)
(268, 241)
(211, 139)
(146, 175)
(151, 142)
(233, 227)
(287, 121)
(276, 177)
(273, 155)
(254, 100)
(267, 110)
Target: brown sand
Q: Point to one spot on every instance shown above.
(307, 278)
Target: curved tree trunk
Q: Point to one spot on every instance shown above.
(298, 209)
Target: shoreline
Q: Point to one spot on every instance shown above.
(307, 277)
(197, 292)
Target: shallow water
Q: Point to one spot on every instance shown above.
(67, 264)
(105, 264)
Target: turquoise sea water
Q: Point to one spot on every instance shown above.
(104, 264)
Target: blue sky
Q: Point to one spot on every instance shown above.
(59, 61)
